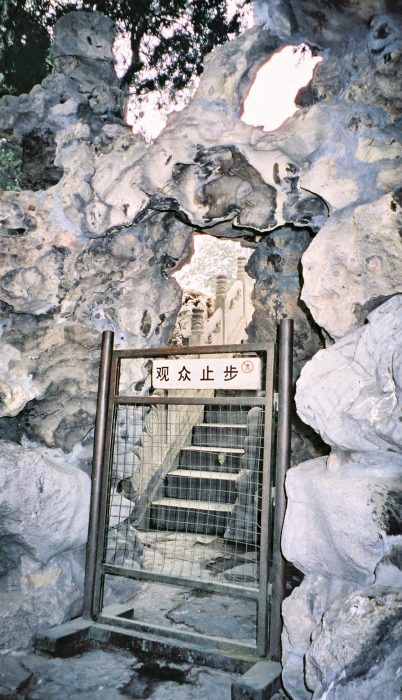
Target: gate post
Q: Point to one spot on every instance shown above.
(282, 465)
(97, 463)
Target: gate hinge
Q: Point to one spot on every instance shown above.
(276, 401)
(273, 492)
(269, 590)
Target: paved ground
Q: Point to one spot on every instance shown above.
(111, 674)
(105, 674)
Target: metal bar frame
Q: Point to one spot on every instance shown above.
(266, 509)
(190, 401)
(283, 452)
(107, 455)
(191, 350)
(223, 643)
(97, 464)
(200, 584)
(108, 400)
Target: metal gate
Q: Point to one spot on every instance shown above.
(189, 461)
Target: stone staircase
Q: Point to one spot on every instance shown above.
(202, 488)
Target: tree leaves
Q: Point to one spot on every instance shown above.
(24, 46)
(168, 38)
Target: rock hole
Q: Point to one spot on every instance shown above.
(146, 323)
(382, 32)
(38, 171)
(392, 513)
(271, 97)
(214, 278)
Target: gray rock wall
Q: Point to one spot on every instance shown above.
(104, 218)
(343, 526)
(63, 279)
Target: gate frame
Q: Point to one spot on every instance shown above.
(113, 623)
(271, 589)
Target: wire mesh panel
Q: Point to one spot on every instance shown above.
(187, 484)
(188, 478)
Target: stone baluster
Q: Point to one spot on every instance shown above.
(243, 277)
(197, 326)
(221, 302)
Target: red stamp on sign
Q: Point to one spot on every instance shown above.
(247, 366)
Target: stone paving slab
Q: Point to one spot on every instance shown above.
(114, 674)
(259, 682)
(14, 675)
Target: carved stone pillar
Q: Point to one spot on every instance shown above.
(243, 277)
(220, 300)
(197, 326)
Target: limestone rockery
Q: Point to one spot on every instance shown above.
(89, 243)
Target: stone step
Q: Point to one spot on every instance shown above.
(233, 415)
(201, 485)
(184, 515)
(219, 435)
(224, 459)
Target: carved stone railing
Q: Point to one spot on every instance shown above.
(232, 314)
(243, 518)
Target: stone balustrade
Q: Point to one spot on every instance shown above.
(232, 314)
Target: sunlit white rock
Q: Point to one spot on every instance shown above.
(352, 264)
(353, 496)
(351, 393)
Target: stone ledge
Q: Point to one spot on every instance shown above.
(260, 682)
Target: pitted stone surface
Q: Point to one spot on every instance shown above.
(351, 393)
(36, 596)
(206, 169)
(353, 397)
(357, 498)
(353, 264)
(276, 293)
(89, 35)
(302, 613)
(357, 650)
(40, 492)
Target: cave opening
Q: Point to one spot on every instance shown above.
(271, 96)
(215, 276)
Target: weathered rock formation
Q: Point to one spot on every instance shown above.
(44, 504)
(104, 218)
(343, 526)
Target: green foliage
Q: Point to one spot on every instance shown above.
(10, 168)
(24, 44)
(168, 38)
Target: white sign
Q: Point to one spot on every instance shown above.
(231, 373)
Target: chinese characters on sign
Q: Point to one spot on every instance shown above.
(227, 373)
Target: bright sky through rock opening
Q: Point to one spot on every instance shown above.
(271, 98)
(211, 257)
